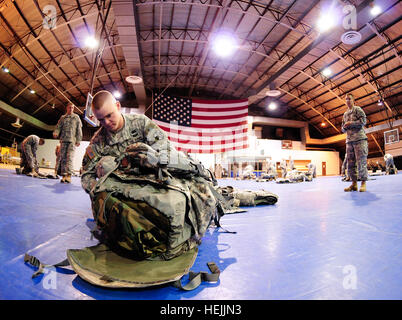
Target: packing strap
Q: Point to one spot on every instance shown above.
(41, 266)
(196, 278)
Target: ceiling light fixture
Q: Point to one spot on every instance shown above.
(272, 106)
(17, 123)
(117, 94)
(134, 79)
(325, 22)
(224, 44)
(272, 92)
(327, 72)
(32, 91)
(6, 70)
(375, 10)
(91, 42)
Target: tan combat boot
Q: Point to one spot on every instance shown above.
(353, 187)
(63, 179)
(68, 178)
(363, 187)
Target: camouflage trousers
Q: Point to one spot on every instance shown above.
(390, 166)
(28, 161)
(357, 152)
(66, 158)
(57, 165)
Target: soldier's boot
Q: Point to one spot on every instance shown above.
(63, 179)
(68, 178)
(353, 187)
(363, 187)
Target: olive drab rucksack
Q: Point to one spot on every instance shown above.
(150, 219)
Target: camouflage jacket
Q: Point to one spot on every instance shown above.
(69, 128)
(354, 131)
(31, 142)
(137, 128)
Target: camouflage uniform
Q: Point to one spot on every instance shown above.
(356, 143)
(120, 172)
(137, 128)
(389, 164)
(291, 165)
(69, 131)
(272, 170)
(28, 154)
(312, 169)
(57, 164)
(283, 168)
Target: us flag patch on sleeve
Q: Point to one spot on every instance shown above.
(89, 152)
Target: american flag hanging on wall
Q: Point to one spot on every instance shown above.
(202, 126)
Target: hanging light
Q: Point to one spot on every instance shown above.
(272, 106)
(32, 91)
(17, 123)
(117, 94)
(134, 79)
(323, 124)
(326, 22)
(327, 72)
(91, 42)
(375, 10)
(224, 44)
(6, 70)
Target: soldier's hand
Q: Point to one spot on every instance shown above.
(55, 135)
(348, 124)
(143, 155)
(77, 144)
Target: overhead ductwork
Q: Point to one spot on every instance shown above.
(24, 117)
(126, 27)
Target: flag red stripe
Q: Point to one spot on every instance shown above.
(219, 101)
(197, 133)
(199, 109)
(185, 141)
(222, 125)
(194, 150)
(220, 117)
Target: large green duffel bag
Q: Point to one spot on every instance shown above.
(150, 221)
(149, 229)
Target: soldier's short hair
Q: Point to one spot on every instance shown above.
(100, 98)
(350, 95)
(41, 141)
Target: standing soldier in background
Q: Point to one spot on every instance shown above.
(69, 132)
(312, 169)
(291, 164)
(353, 122)
(283, 168)
(29, 163)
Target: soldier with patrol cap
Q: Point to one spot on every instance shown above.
(69, 132)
